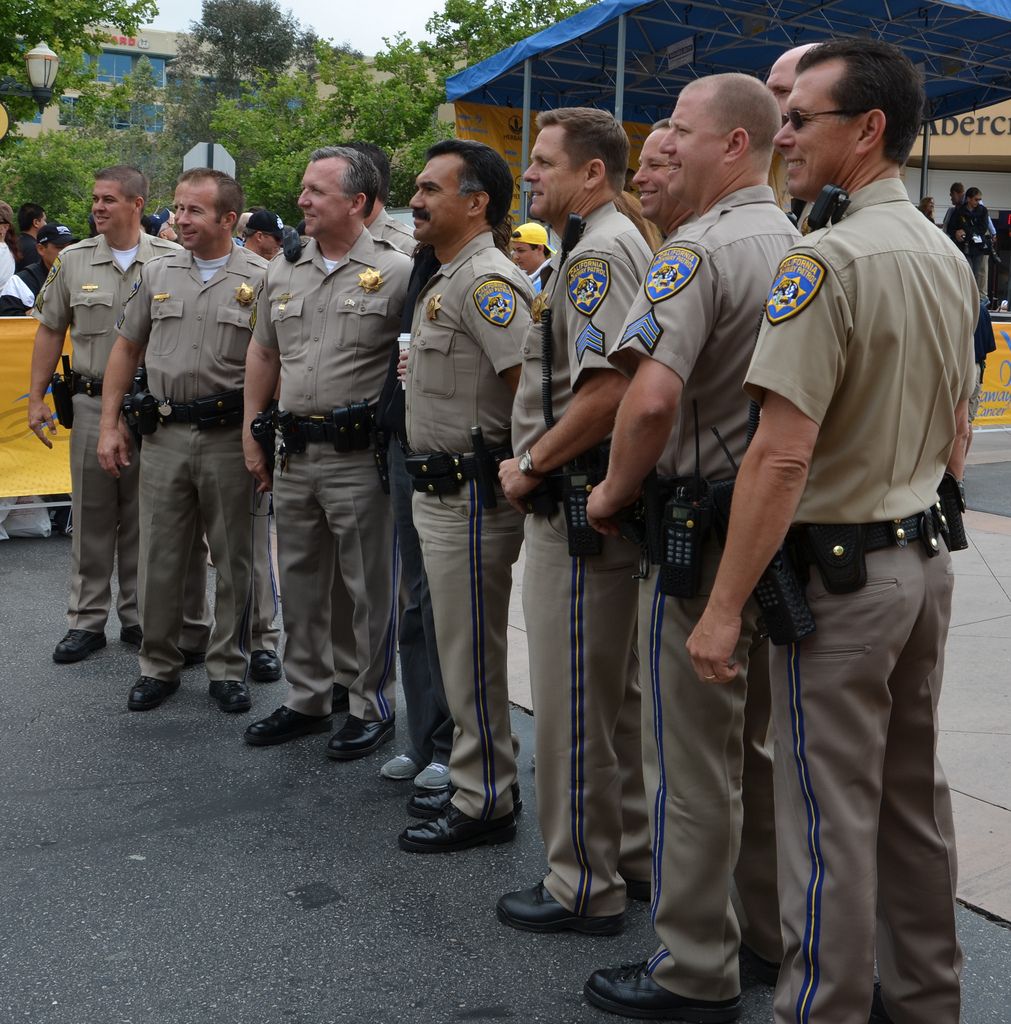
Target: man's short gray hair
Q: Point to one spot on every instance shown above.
(360, 174)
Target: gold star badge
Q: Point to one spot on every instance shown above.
(370, 280)
(244, 295)
(537, 308)
(433, 307)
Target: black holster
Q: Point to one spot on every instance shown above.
(63, 399)
(951, 502)
(264, 434)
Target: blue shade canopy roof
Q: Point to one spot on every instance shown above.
(963, 49)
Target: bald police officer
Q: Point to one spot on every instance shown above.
(325, 325)
(579, 600)
(463, 369)
(85, 292)
(864, 406)
(189, 318)
(687, 344)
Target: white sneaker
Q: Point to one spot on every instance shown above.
(399, 768)
(1003, 306)
(435, 776)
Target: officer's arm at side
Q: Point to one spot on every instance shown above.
(114, 445)
(45, 356)
(766, 495)
(263, 368)
(963, 434)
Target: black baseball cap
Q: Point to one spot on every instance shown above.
(267, 222)
(56, 234)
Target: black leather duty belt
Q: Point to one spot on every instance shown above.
(81, 385)
(220, 410)
(445, 472)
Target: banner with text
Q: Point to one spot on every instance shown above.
(995, 397)
(26, 465)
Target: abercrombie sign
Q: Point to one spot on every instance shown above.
(972, 124)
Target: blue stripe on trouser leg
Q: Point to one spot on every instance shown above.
(390, 640)
(655, 960)
(477, 647)
(812, 925)
(655, 653)
(578, 732)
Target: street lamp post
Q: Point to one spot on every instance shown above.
(43, 65)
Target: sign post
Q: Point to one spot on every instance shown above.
(209, 154)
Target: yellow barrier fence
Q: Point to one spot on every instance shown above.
(26, 465)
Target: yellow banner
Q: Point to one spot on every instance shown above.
(502, 129)
(995, 397)
(26, 465)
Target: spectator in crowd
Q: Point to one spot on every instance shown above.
(17, 296)
(530, 252)
(926, 207)
(628, 203)
(8, 243)
(969, 228)
(31, 219)
(956, 193)
(264, 233)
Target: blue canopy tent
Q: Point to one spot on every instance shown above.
(633, 57)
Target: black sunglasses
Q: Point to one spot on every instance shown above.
(798, 119)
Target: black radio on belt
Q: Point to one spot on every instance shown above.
(684, 526)
(583, 538)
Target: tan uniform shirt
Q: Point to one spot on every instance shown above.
(334, 330)
(468, 328)
(85, 291)
(389, 229)
(697, 312)
(588, 303)
(868, 331)
(195, 334)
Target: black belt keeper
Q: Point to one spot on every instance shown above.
(348, 428)
(838, 550)
(221, 410)
(81, 385)
(445, 472)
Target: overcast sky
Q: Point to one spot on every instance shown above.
(364, 30)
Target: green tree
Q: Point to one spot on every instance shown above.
(68, 27)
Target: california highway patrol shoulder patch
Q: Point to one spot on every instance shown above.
(496, 302)
(672, 268)
(797, 282)
(587, 281)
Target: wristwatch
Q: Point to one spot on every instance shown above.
(526, 464)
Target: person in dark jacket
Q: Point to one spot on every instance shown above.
(18, 295)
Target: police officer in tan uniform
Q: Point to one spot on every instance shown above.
(189, 316)
(85, 292)
(864, 406)
(326, 324)
(379, 222)
(580, 608)
(707, 764)
(463, 370)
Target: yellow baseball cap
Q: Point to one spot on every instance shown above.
(533, 234)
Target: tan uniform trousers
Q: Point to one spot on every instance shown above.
(106, 522)
(708, 774)
(469, 552)
(265, 634)
(863, 812)
(194, 483)
(333, 520)
(581, 630)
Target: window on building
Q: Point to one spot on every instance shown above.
(113, 67)
(68, 111)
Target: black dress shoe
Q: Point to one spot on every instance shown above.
(536, 910)
(454, 830)
(630, 992)
(356, 738)
(132, 635)
(636, 889)
(341, 699)
(191, 658)
(432, 803)
(230, 694)
(283, 725)
(148, 693)
(77, 645)
(766, 971)
(264, 667)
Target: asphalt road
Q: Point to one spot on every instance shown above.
(155, 870)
